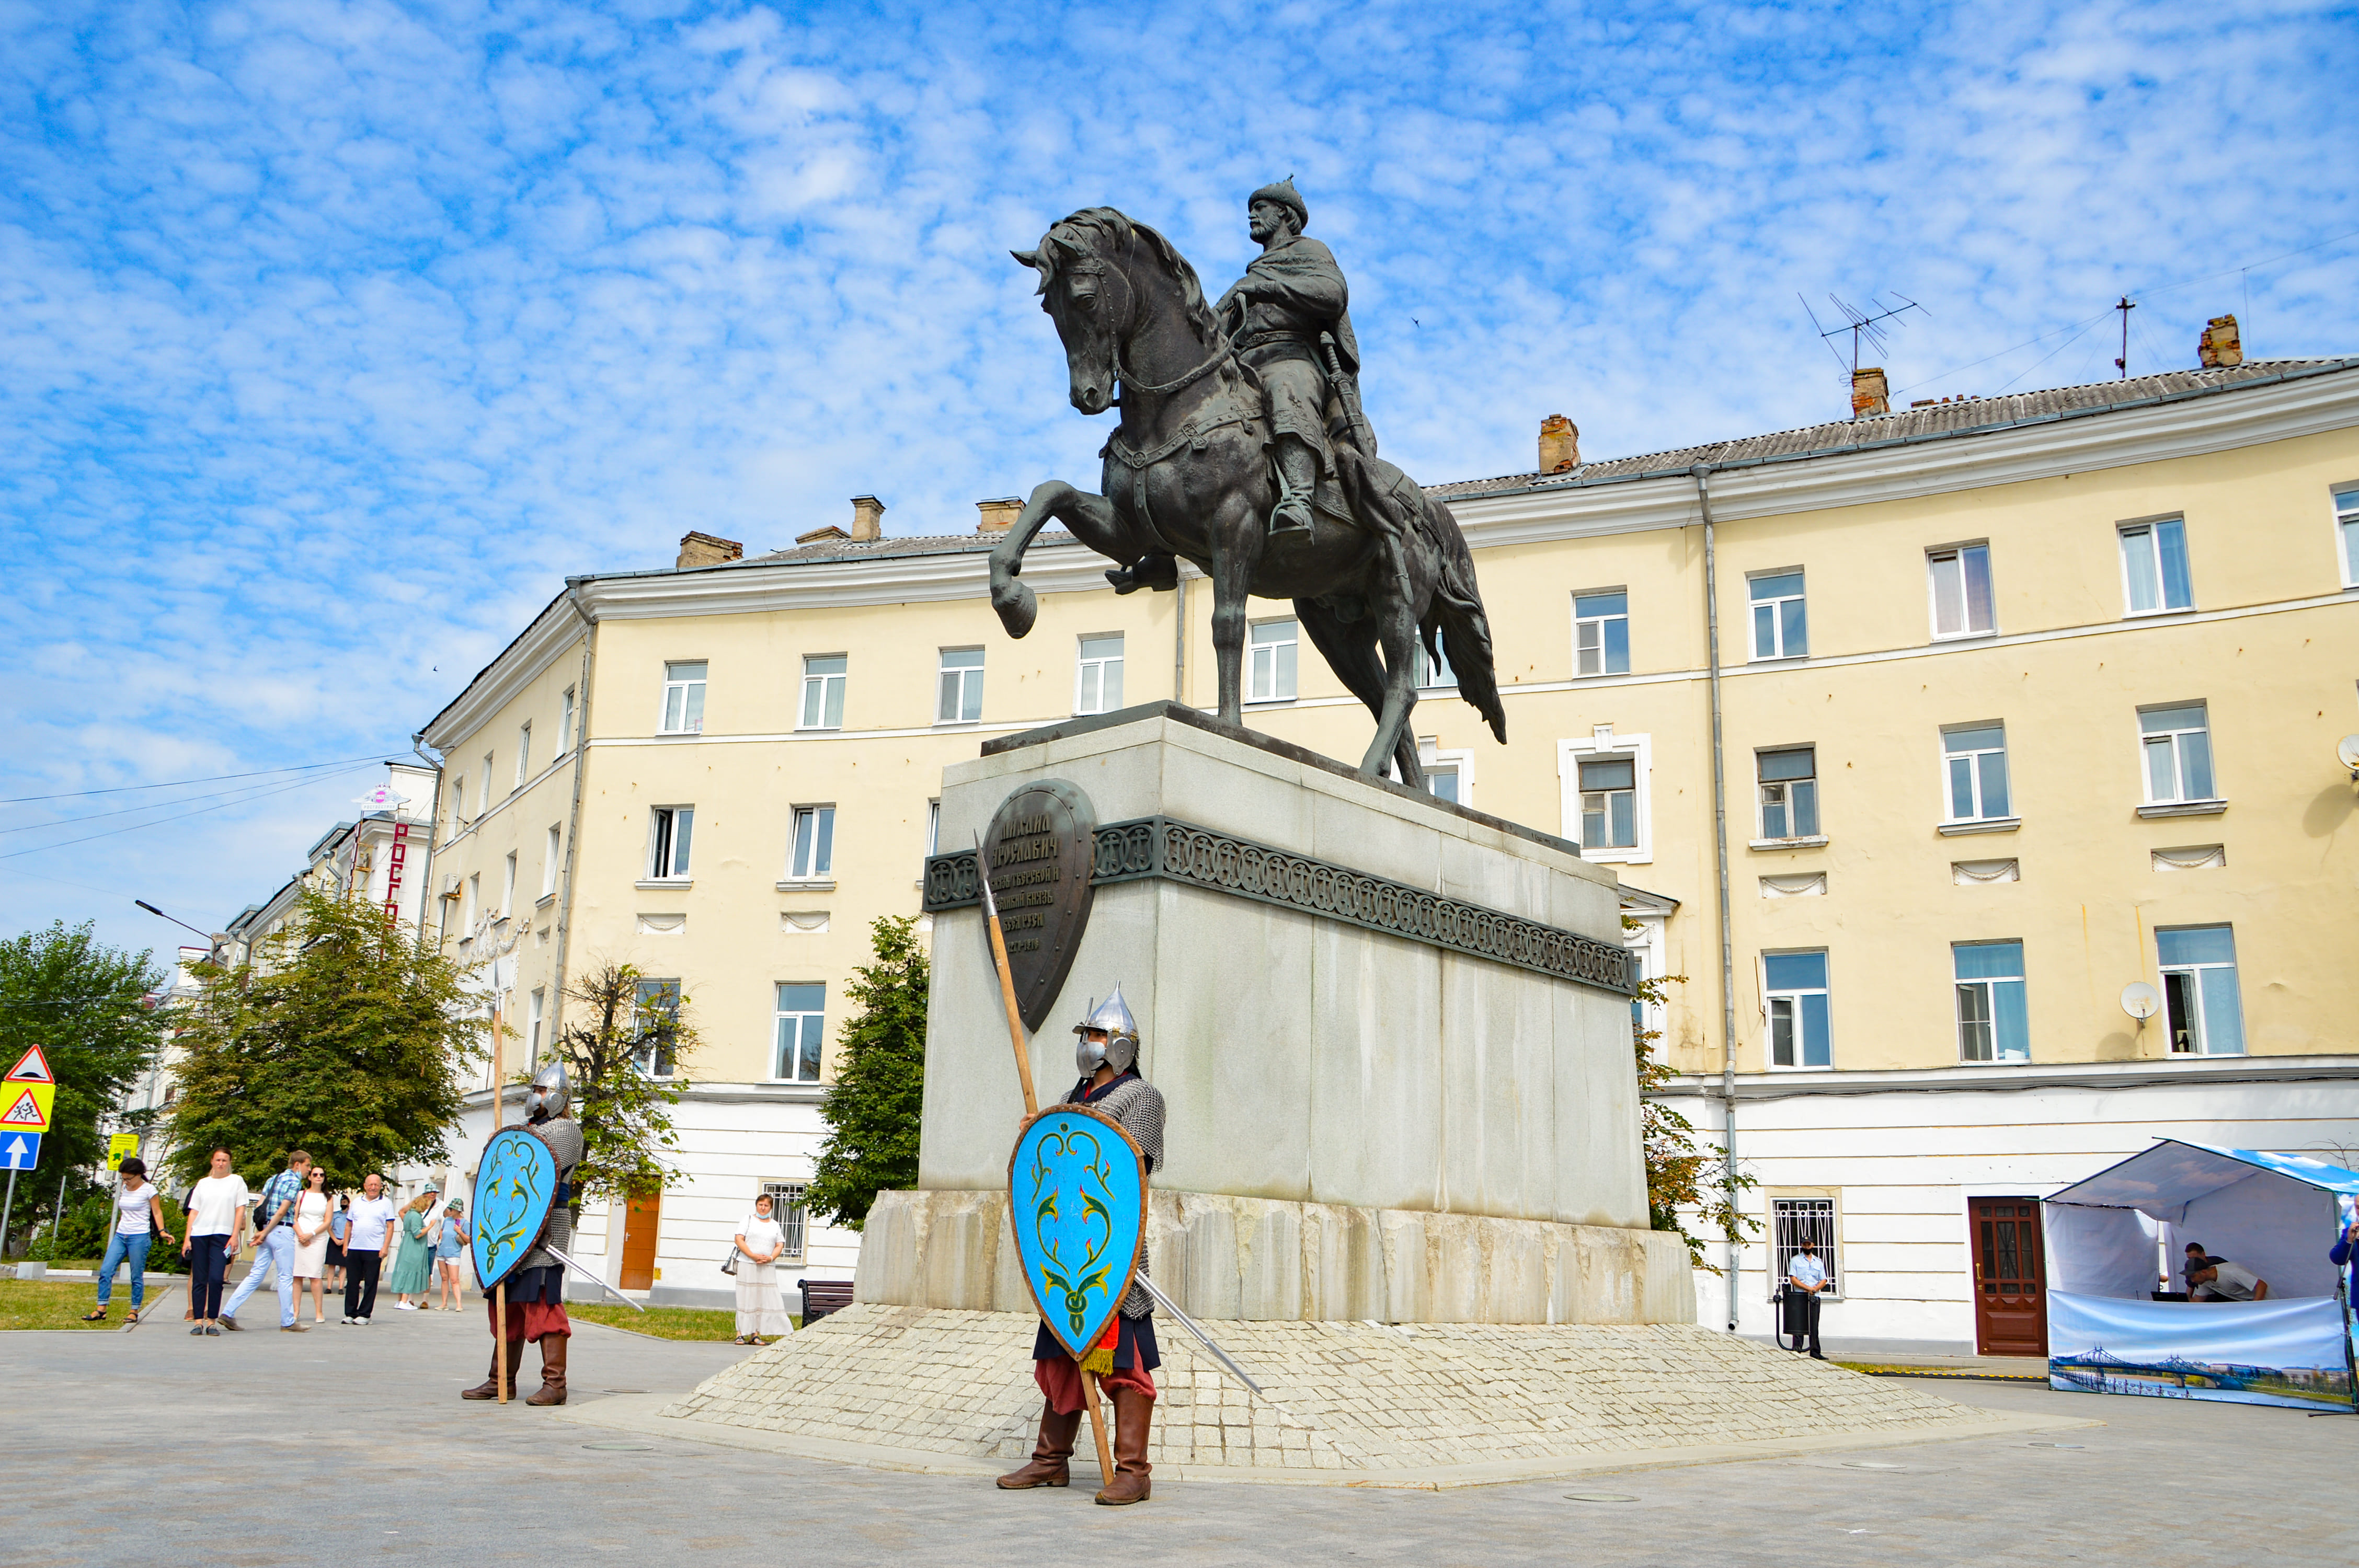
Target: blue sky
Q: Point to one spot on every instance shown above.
(333, 335)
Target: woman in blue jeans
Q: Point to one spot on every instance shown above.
(136, 1225)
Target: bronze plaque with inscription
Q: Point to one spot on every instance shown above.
(1038, 851)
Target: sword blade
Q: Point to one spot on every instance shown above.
(1167, 1304)
(593, 1279)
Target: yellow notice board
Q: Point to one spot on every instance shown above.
(25, 1108)
(121, 1146)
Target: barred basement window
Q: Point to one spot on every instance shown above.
(1796, 1220)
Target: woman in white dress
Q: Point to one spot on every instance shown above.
(312, 1215)
(761, 1305)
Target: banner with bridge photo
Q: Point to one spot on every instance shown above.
(2287, 1352)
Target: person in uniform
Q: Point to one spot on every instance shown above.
(1291, 295)
(536, 1285)
(1107, 1054)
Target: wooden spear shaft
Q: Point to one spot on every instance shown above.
(500, 1291)
(1032, 1108)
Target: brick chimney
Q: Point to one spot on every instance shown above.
(867, 519)
(1560, 445)
(1868, 393)
(998, 516)
(827, 535)
(2219, 347)
(704, 551)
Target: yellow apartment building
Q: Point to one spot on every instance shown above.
(2007, 716)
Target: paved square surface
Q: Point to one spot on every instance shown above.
(348, 1445)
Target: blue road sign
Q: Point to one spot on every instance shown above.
(19, 1151)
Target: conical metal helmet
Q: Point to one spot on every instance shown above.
(1120, 1048)
(552, 1094)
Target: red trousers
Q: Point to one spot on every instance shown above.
(1060, 1381)
(530, 1320)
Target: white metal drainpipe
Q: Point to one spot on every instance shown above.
(1702, 473)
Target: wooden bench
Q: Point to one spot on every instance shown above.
(821, 1297)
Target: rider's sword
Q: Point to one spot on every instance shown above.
(1347, 390)
(1167, 1304)
(593, 1279)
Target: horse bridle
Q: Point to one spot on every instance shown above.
(1224, 350)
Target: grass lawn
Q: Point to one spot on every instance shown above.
(59, 1304)
(664, 1323)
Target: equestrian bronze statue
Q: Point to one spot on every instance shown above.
(1243, 447)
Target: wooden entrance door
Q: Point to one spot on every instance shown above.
(2010, 1302)
(639, 1241)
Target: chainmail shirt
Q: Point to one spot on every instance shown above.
(563, 1136)
(1137, 1105)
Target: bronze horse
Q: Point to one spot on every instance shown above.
(1188, 473)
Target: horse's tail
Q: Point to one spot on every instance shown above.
(1454, 616)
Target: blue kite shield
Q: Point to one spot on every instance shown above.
(1077, 1198)
(516, 1186)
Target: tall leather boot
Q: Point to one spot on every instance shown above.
(489, 1389)
(552, 1370)
(1052, 1456)
(1298, 470)
(1133, 1413)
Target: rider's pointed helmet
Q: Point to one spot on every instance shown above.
(1119, 1049)
(552, 1094)
(1285, 195)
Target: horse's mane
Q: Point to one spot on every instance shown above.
(1095, 230)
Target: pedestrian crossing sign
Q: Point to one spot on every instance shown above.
(32, 1067)
(27, 1107)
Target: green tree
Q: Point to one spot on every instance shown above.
(623, 1063)
(873, 1112)
(343, 1037)
(88, 1008)
(1679, 1175)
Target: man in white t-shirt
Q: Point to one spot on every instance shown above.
(217, 1219)
(2217, 1280)
(373, 1217)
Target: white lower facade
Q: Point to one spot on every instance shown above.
(1900, 1155)
(735, 1139)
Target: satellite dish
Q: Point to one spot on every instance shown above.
(2346, 752)
(2141, 1001)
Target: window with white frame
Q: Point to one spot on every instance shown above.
(2200, 999)
(1449, 775)
(933, 828)
(2153, 567)
(532, 1027)
(565, 723)
(960, 694)
(1097, 675)
(683, 697)
(802, 1020)
(787, 1209)
(2347, 529)
(473, 908)
(1795, 985)
(1792, 1222)
(1270, 669)
(483, 798)
(668, 833)
(524, 753)
(549, 858)
(1609, 803)
(1431, 671)
(1961, 587)
(1993, 1025)
(657, 1026)
(1600, 633)
(1973, 760)
(1781, 628)
(2177, 746)
(1789, 791)
(811, 854)
(507, 887)
(823, 679)
(458, 803)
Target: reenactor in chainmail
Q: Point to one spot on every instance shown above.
(536, 1285)
(1126, 1360)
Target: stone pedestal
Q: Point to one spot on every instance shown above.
(1393, 1037)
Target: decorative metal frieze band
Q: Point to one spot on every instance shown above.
(1221, 862)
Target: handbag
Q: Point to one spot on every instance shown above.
(729, 1266)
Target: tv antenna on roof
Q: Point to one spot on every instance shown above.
(1860, 324)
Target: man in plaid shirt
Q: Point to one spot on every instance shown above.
(274, 1243)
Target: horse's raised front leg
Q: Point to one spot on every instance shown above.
(1090, 518)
